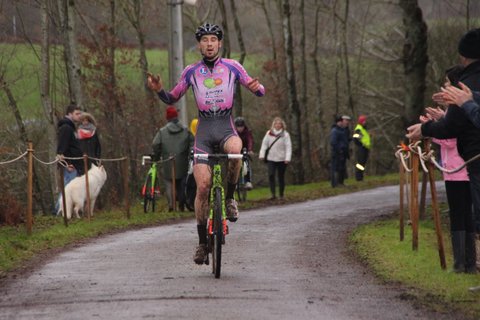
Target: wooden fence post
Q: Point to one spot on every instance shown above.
(30, 188)
(436, 213)
(87, 187)
(414, 200)
(174, 186)
(423, 195)
(402, 214)
(126, 187)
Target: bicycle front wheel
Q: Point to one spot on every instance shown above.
(217, 236)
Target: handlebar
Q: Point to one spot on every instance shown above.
(207, 156)
(144, 158)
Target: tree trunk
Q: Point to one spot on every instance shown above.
(322, 127)
(46, 101)
(72, 59)
(24, 138)
(345, 55)
(294, 108)
(226, 40)
(243, 54)
(415, 59)
(303, 90)
(134, 14)
(270, 31)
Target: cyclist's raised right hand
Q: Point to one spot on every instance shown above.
(154, 82)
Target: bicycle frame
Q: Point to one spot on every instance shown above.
(152, 174)
(217, 220)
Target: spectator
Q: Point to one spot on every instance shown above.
(456, 124)
(88, 137)
(276, 150)
(339, 145)
(173, 140)
(361, 137)
(247, 141)
(69, 147)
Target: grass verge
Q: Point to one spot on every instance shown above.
(378, 245)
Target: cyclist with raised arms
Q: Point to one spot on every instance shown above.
(213, 81)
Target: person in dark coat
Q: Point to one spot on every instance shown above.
(247, 141)
(69, 147)
(339, 151)
(88, 137)
(173, 139)
(456, 124)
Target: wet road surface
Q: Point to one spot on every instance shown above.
(282, 262)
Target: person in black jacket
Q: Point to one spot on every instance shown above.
(456, 124)
(339, 143)
(69, 147)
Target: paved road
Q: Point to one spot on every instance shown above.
(284, 262)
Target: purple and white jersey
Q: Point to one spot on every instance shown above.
(214, 89)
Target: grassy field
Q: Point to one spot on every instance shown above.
(378, 245)
(21, 63)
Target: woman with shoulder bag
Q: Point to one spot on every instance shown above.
(276, 151)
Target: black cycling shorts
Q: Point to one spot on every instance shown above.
(213, 132)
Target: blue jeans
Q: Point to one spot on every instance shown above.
(67, 177)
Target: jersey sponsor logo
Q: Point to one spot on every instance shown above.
(214, 101)
(203, 70)
(213, 93)
(218, 70)
(211, 83)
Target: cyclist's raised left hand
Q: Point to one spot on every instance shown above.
(154, 82)
(253, 85)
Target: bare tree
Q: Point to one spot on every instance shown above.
(346, 56)
(303, 89)
(294, 108)
(66, 9)
(415, 59)
(45, 94)
(226, 40)
(322, 127)
(133, 10)
(243, 54)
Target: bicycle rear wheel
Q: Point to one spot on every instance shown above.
(217, 236)
(149, 196)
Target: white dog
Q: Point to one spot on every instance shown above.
(76, 193)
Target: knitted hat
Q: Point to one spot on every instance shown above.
(362, 119)
(469, 45)
(171, 113)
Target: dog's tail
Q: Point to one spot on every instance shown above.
(60, 206)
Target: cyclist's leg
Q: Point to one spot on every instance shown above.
(232, 145)
(202, 173)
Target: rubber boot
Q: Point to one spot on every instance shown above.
(470, 253)
(458, 248)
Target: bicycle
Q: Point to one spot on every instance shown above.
(241, 190)
(217, 218)
(151, 186)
